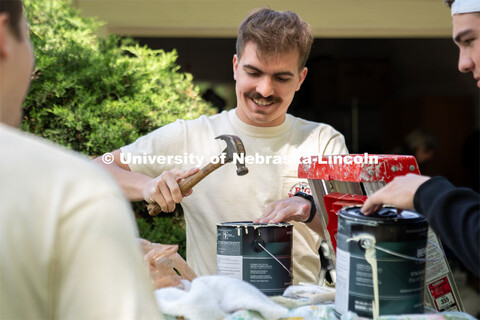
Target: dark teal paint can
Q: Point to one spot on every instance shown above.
(380, 261)
(258, 253)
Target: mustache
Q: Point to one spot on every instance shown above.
(258, 96)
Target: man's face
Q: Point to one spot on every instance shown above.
(16, 63)
(466, 34)
(265, 86)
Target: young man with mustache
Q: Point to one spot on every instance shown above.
(269, 67)
(454, 213)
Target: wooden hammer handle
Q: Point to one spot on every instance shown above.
(187, 184)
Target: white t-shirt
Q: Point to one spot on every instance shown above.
(67, 238)
(225, 197)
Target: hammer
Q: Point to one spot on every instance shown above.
(234, 146)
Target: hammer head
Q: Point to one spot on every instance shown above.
(234, 146)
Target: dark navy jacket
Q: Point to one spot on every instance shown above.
(454, 215)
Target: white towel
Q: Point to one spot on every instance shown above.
(214, 298)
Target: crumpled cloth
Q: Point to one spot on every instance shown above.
(216, 297)
(326, 312)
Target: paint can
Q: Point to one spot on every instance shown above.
(258, 253)
(380, 262)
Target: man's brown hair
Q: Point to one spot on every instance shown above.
(275, 32)
(14, 9)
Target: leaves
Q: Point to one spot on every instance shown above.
(95, 95)
(164, 229)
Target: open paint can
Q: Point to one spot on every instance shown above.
(380, 262)
(258, 253)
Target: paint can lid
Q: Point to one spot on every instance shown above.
(251, 224)
(385, 215)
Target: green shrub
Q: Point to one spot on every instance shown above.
(95, 95)
(166, 229)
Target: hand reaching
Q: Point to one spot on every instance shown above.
(398, 193)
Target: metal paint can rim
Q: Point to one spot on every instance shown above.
(386, 215)
(252, 224)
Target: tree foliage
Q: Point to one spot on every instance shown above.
(94, 94)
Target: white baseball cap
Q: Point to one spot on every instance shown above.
(465, 6)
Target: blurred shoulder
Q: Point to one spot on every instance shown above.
(32, 157)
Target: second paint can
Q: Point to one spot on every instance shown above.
(380, 262)
(258, 253)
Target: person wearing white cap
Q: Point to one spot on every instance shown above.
(454, 213)
(466, 34)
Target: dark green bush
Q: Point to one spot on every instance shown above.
(95, 95)
(168, 229)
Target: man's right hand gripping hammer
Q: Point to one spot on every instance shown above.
(188, 179)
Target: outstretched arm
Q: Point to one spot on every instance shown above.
(163, 189)
(398, 193)
(454, 213)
